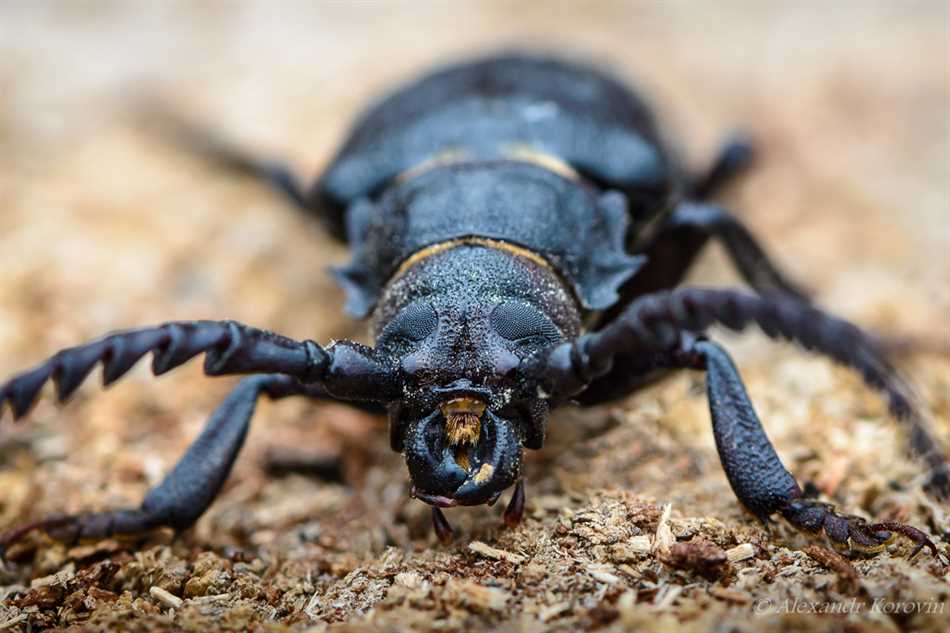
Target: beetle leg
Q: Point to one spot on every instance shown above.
(737, 429)
(515, 510)
(747, 255)
(681, 237)
(653, 326)
(348, 370)
(757, 475)
(220, 151)
(915, 535)
(755, 472)
(327, 468)
(189, 488)
(733, 159)
(443, 529)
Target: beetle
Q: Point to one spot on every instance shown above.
(519, 233)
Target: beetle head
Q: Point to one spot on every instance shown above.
(463, 327)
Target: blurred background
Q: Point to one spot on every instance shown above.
(100, 222)
(104, 226)
(849, 104)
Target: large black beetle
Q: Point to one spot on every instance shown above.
(519, 231)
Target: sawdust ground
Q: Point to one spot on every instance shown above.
(103, 227)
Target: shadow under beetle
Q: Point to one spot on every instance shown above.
(518, 233)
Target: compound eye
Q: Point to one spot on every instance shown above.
(414, 323)
(522, 322)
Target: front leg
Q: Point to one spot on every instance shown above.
(345, 370)
(652, 327)
(757, 475)
(188, 490)
(659, 329)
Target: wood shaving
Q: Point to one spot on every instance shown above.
(493, 552)
(743, 551)
(476, 595)
(166, 598)
(663, 539)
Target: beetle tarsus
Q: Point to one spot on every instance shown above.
(915, 535)
(443, 529)
(17, 534)
(850, 533)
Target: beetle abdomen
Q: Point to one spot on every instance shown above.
(504, 108)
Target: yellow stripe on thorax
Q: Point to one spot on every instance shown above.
(485, 242)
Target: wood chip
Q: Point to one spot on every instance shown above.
(409, 579)
(743, 551)
(498, 554)
(59, 578)
(212, 598)
(666, 596)
(554, 610)
(832, 560)
(627, 605)
(313, 606)
(729, 596)
(14, 621)
(96, 593)
(698, 555)
(600, 573)
(475, 595)
(92, 549)
(166, 598)
(641, 544)
(664, 534)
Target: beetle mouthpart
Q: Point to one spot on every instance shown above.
(463, 425)
(446, 475)
(497, 463)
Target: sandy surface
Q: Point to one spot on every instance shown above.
(102, 226)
